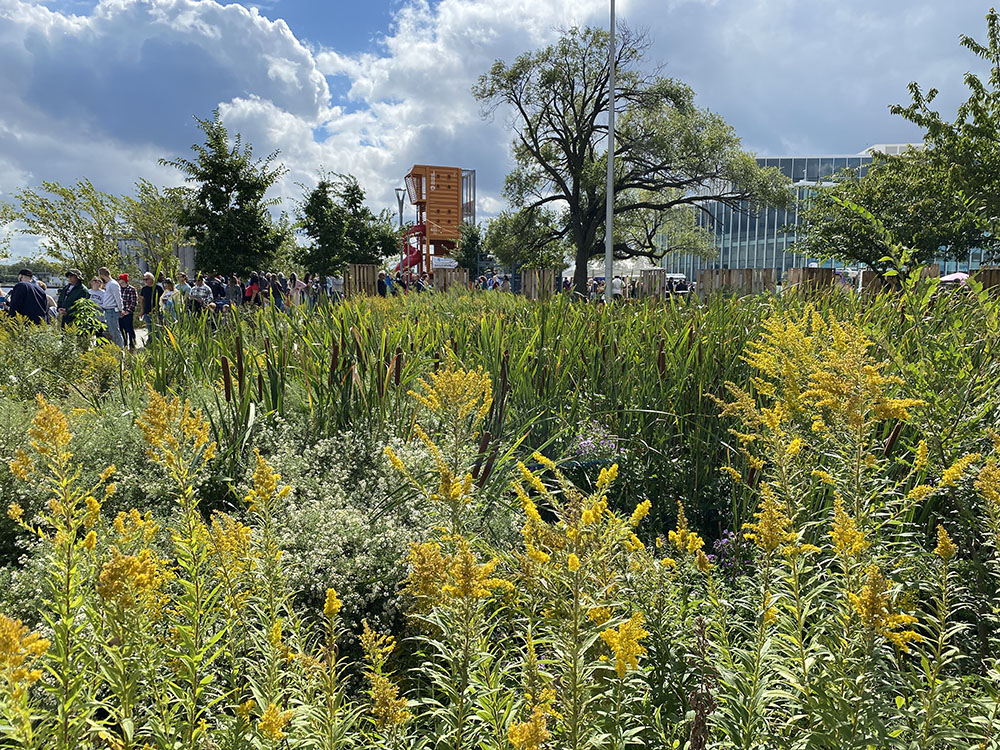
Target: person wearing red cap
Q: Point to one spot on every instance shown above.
(126, 323)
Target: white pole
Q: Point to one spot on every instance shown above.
(610, 214)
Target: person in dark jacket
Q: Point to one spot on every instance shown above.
(27, 298)
(69, 295)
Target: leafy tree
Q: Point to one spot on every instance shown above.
(228, 215)
(77, 225)
(470, 247)
(342, 229)
(915, 204)
(668, 153)
(967, 150)
(8, 215)
(527, 239)
(152, 218)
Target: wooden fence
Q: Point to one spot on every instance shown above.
(988, 276)
(811, 278)
(538, 283)
(446, 278)
(735, 280)
(361, 279)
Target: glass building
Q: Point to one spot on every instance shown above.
(765, 239)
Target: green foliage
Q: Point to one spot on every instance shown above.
(470, 247)
(342, 229)
(78, 225)
(228, 214)
(526, 239)
(153, 219)
(914, 200)
(669, 154)
(967, 149)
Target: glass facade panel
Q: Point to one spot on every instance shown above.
(786, 167)
(825, 169)
(798, 170)
(812, 170)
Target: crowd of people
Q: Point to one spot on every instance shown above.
(107, 306)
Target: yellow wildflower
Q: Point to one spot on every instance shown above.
(90, 541)
(624, 643)
(377, 647)
(18, 651)
(138, 580)
(395, 460)
(988, 485)
(573, 563)
(634, 543)
(245, 709)
(388, 708)
(794, 447)
(599, 615)
(702, 563)
(455, 395)
(531, 734)
(469, 579)
(265, 490)
(49, 431)
(536, 554)
(15, 512)
(22, 466)
(920, 461)
(274, 634)
(823, 476)
(772, 527)
(272, 722)
(669, 563)
(694, 543)
(920, 492)
(945, 548)
(331, 608)
(428, 571)
(640, 512)
(733, 473)
(679, 536)
(872, 606)
(848, 539)
(545, 462)
(606, 478)
(953, 474)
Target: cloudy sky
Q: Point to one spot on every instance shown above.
(104, 89)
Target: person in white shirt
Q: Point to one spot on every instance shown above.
(112, 305)
(616, 287)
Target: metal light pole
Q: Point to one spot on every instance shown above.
(610, 214)
(400, 194)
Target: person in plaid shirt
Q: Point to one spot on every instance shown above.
(126, 323)
(200, 295)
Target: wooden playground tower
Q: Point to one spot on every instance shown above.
(444, 198)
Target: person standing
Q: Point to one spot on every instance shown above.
(150, 293)
(112, 306)
(69, 295)
(616, 288)
(126, 322)
(382, 287)
(27, 298)
(201, 295)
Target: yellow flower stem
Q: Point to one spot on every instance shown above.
(933, 676)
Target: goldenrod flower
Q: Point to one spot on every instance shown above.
(701, 562)
(606, 478)
(18, 651)
(988, 485)
(823, 476)
(599, 615)
(265, 490)
(669, 563)
(920, 461)
(469, 580)
(945, 548)
(388, 708)
(138, 580)
(428, 571)
(15, 512)
(772, 527)
(920, 492)
(679, 536)
(22, 465)
(377, 647)
(531, 734)
(848, 539)
(455, 395)
(794, 447)
(274, 634)
(624, 643)
(90, 541)
(272, 722)
(49, 430)
(640, 512)
(953, 474)
(733, 473)
(573, 563)
(872, 606)
(331, 608)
